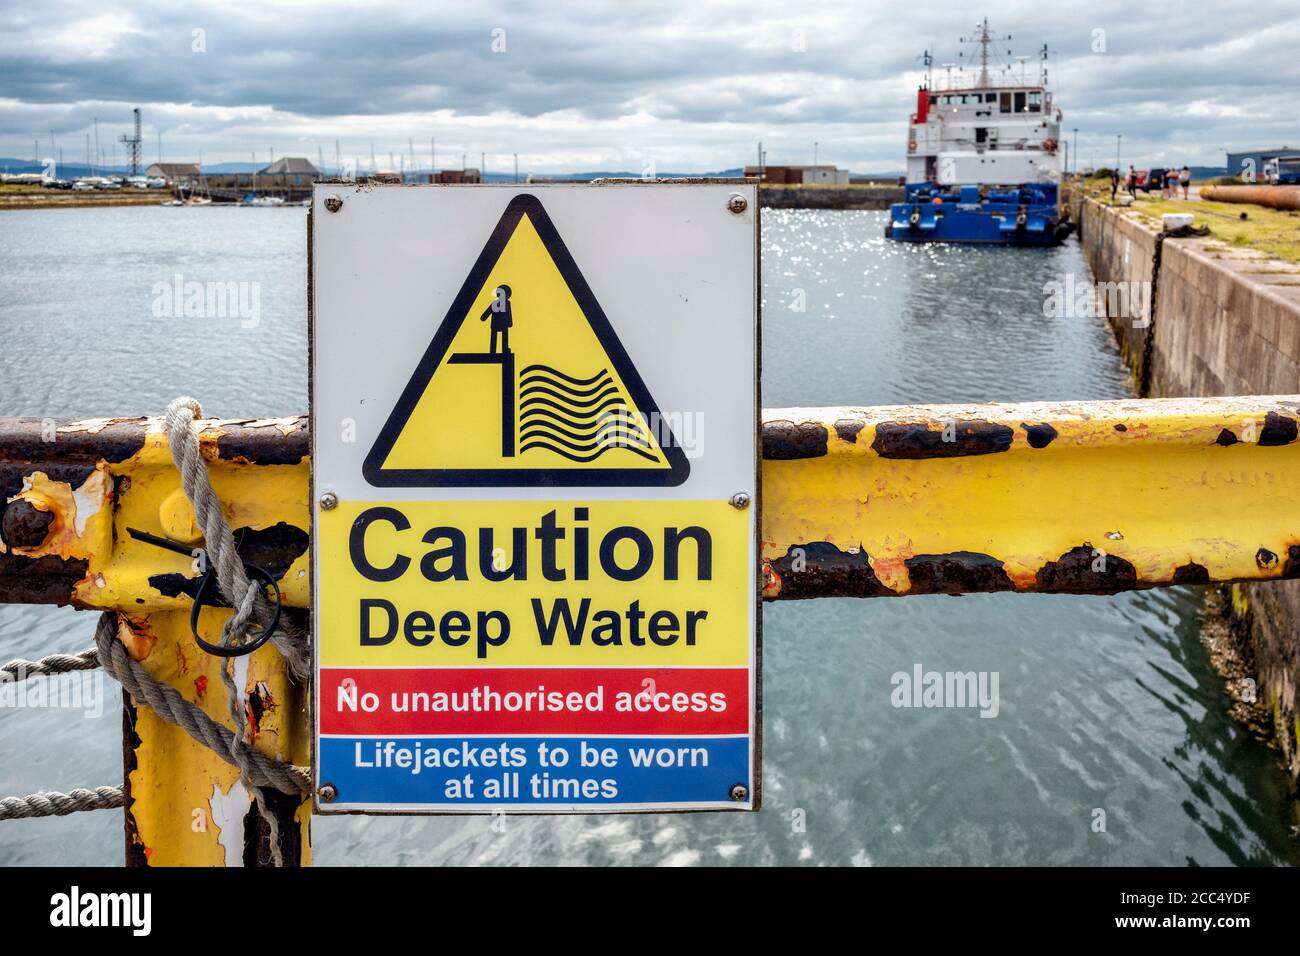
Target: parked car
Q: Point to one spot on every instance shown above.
(81, 186)
(1152, 179)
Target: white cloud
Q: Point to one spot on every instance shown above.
(95, 37)
(596, 86)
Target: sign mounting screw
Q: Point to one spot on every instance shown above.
(739, 792)
(329, 501)
(737, 203)
(328, 793)
(740, 500)
(333, 203)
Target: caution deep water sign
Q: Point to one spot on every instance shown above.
(535, 466)
(589, 421)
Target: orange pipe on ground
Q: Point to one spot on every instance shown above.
(1275, 197)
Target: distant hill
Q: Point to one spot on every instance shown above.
(67, 171)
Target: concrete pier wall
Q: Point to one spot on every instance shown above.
(865, 196)
(1225, 322)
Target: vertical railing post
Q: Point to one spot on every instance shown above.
(185, 805)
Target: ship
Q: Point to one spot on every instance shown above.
(982, 154)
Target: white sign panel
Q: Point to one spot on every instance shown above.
(535, 419)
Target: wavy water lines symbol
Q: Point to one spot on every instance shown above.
(578, 418)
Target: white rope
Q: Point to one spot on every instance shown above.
(51, 803)
(19, 669)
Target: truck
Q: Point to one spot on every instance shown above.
(1283, 171)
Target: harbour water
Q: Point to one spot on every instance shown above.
(1105, 703)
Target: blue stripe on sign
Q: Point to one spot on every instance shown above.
(502, 770)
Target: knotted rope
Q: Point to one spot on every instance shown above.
(250, 604)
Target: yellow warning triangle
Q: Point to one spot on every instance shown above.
(525, 382)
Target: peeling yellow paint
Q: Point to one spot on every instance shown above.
(172, 785)
(1160, 494)
(150, 498)
(82, 525)
(137, 636)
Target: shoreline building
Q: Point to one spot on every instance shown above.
(290, 171)
(175, 174)
(1252, 162)
(456, 176)
(819, 175)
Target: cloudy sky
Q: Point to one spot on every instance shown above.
(624, 84)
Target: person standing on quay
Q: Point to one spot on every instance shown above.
(1185, 180)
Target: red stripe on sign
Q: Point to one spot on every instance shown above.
(534, 700)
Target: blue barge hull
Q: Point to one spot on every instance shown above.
(1025, 215)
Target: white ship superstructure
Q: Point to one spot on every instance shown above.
(993, 124)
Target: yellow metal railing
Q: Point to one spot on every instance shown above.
(1088, 497)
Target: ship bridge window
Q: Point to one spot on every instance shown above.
(1020, 102)
(990, 97)
(1004, 103)
(1035, 102)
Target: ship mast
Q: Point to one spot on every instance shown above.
(984, 38)
(984, 52)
